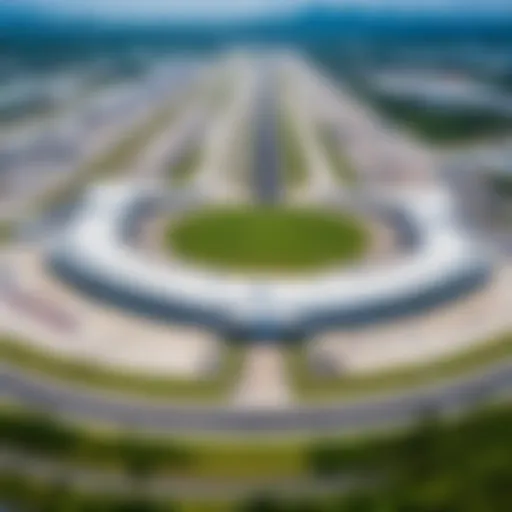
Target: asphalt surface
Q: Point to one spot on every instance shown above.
(387, 411)
(267, 179)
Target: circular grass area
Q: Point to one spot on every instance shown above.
(267, 239)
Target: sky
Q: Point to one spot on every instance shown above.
(174, 9)
(170, 9)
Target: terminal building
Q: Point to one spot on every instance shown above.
(95, 254)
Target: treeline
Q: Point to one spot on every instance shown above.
(464, 467)
(41, 436)
(30, 496)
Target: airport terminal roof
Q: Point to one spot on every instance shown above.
(93, 245)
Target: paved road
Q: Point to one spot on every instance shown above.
(386, 411)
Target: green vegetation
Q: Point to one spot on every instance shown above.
(41, 436)
(205, 390)
(445, 127)
(293, 161)
(6, 232)
(110, 449)
(115, 160)
(312, 387)
(120, 451)
(501, 184)
(185, 168)
(461, 466)
(344, 170)
(267, 239)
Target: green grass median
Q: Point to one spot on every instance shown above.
(185, 168)
(7, 230)
(344, 170)
(293, 159)
(312, 388)
(209, 389)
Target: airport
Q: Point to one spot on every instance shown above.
(405, 254)
(246, 254)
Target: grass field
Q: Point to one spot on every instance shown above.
(267, 239)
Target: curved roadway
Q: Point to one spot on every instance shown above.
(376, 412)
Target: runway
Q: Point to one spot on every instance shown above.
(267, 175)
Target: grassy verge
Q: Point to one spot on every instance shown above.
(206, 390)
(124, 451)
(339, 163)
(310, 387)
(186, 167)
(293, 161)
(111, 162)
(6, 232)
